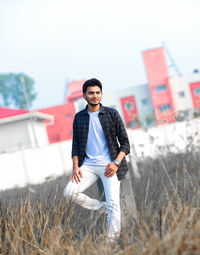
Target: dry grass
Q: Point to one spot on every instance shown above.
(167, 197)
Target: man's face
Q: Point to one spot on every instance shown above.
(93, 95)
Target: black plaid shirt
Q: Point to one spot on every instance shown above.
(114, 131)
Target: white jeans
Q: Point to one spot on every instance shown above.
(111, 185)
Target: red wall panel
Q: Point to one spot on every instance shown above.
(195, 92)
(61, 129)
(130, 113)
(156, 66)
(157, 73)
(75, 90)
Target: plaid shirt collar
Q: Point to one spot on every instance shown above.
(101, 110)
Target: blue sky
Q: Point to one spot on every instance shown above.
(55, 41)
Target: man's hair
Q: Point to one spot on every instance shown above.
(91, 83)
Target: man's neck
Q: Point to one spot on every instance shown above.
(94, 108)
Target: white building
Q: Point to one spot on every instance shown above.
(23, 131)
(182, 95)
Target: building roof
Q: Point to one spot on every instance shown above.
(7, 112)
(27, 115)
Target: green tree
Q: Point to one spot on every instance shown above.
(17, 90)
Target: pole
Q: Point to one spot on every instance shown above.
(28, 108)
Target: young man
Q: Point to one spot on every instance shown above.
(100, 143)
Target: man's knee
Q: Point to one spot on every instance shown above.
(70, 191)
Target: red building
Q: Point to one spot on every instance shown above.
(61, 129)
(158, 78)
(130, 112)
(195, 93)
(75, 90)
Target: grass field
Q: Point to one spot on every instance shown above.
(38, 220)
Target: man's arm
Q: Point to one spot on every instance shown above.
(75, 144)
(77, 173)
(112, 168)
(122, 136)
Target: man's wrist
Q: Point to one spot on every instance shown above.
(75, 167)
(117, 162)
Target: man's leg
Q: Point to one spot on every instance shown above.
(112, 193)
(74, 190)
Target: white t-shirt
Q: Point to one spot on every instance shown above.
(96, 148)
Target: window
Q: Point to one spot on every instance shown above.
(145, 101)
(69, 115)
(181, 94)
(128, 105)
(132, 124)
(197, 91)
(164, 107)
(151, 118)
(161, 88)
(183, 114)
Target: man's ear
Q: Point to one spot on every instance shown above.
(84, 96)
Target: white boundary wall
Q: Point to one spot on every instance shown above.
(37, 165)
(175, 137)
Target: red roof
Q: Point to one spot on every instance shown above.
(7, 112)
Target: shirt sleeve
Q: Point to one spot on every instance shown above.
(75, 139)
(122, 134)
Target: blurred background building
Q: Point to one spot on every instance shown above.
(20, 129)
(164, 99)
(36, 145)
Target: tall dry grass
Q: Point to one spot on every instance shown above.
(38, 220)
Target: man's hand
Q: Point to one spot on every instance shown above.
(111, 169)
(77, 173)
